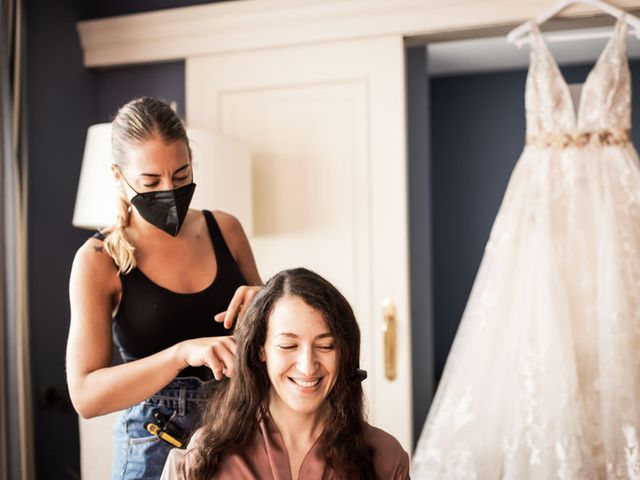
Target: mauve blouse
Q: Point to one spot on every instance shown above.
(266, 458)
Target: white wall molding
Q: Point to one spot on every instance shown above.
(253, 24)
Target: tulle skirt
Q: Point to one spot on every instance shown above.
(543, 378)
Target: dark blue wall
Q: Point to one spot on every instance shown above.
(420, 249)
(61, 104)
(477, 135)
(110, 8)
(116, 86)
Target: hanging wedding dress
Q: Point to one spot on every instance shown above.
(543, 379)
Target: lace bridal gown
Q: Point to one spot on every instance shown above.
(543, 379)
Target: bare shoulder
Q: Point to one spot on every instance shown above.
(390, 459)
(228, 223)
(231, 231)
(91, 259)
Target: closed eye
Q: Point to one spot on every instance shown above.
(175, 179)
(327, 347)
(286, 347)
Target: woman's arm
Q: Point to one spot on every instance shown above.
(96, 387)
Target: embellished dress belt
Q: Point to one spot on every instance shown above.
(600, 138)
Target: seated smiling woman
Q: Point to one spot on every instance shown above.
(294, 409)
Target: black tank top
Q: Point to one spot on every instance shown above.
(151, 318)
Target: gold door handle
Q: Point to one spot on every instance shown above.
(389, 330)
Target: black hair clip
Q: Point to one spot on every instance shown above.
(359, 375)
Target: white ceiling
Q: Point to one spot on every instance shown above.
(495, 54)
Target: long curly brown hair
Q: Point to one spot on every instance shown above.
(238, 406)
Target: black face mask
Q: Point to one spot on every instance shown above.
(165, 209)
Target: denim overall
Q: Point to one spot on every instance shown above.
(137, 454)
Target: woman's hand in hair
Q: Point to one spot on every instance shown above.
(238, 305)
(217, 353)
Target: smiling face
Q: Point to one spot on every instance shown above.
(301, 357)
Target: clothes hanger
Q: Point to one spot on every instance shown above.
(519, 35)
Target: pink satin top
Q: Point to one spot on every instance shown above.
(265, 458)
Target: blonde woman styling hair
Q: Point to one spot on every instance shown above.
(155, 284)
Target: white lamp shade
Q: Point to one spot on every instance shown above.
(221, 171)
(97, 191)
